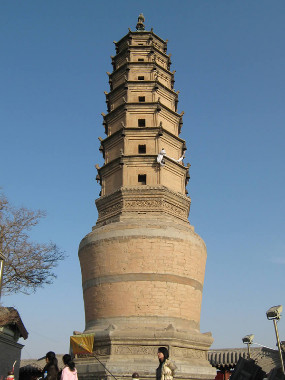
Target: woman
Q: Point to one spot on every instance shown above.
(69, 371)
(50, 370)
(165, 370)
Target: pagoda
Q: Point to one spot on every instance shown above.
(143, 265)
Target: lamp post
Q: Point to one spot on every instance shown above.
(248, 339)
(2, 259)
(274, 314)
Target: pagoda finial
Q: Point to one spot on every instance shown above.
(140, 24)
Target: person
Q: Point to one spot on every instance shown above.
(50, 370)
(10, 375)
(69, 371)
(135, 376)
(166, 368)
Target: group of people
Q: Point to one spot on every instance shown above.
(165, 370)
(52, 372)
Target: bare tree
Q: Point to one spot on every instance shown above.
(28, 265)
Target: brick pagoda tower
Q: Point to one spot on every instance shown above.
(143, 265)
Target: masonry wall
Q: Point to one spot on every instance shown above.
(143, 273)
(9, 352)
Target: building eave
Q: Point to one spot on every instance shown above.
(10, 317)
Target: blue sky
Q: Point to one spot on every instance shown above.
(229, 59)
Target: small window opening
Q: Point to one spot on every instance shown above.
(141, 77)
(142, 149)
(141, 98)
(141, 60)
(140, 44)
(142, 179)
(141, 122)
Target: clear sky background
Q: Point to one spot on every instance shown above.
(229, 59)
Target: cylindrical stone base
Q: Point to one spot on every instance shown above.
(142, 283)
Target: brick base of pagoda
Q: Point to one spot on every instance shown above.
(142, 284)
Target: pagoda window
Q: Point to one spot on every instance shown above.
(141, 60)
(142, 149)
(140, 77)
(141, 98)
(141, 122)
(142, 179)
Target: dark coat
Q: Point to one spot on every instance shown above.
(52, 372)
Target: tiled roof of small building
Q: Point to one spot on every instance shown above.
(266, 358)
(10, 316)
(226, 357)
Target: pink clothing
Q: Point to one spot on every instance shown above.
(68, 375)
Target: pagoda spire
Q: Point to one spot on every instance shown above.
(140, 25)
